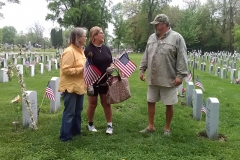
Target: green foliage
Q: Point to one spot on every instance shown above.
(56, 37)
(236, 33)
(189, 29)
(79, 13)
(8, 34)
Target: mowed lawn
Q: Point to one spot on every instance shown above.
(129, 118)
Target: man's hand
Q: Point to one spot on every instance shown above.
(142, 77)
(177, 81)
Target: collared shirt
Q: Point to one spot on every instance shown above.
(165, 59)
(71, 71)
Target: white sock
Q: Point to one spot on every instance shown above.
(109, 124)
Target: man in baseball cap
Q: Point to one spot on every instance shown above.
(165, 59)
(160, 18)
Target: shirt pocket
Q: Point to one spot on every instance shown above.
(152, 48)
(168, 49)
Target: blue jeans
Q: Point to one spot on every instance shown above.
(71, 119)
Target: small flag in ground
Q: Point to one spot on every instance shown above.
(91, 74)
(199, 84)
(125, 65)
(49, 92)
(204, 109)
(212, 61)
(189, 77)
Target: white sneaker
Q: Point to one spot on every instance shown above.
(91, 128)
(109, 130)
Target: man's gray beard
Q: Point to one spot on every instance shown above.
(157, 32)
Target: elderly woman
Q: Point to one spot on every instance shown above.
(72, 84)
(100, 56)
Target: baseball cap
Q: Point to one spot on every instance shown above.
(160, 18)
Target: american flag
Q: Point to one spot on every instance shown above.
(91, 74)
(212, 61)
(49, 92)
(204, 109)
(199, 84)
(189, 77)
(125, 65)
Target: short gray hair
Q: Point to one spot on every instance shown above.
(75, 33)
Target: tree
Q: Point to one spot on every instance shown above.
(56, 37)
(36, 33)
(8, 33)
(1, 35)
(236, 34)
(79, 13)
(3, 4)
(119, 24)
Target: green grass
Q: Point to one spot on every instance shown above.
(128, 118)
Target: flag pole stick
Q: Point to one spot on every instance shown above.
(41, 103)
(193, 64)
(102, 77)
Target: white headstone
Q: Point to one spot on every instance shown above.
(179, 89)
(212, 118)
(3, 75)
(55, 64)
(233, 75)
(223, 73)
(49, 65)
(41, 68)
(20, 67)
(238, 74)
(15, 61)
(23, 61)
(42, 58)
(32, 97)
(189, 93)
(55, 105)
(36, 59)
(197, 104)
(210, 69)
(6, 56)
(32, 70)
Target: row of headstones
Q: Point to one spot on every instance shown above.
(4, 63)
(29, 56)
(221, 62)
(32, 96)
(4, 76)
(216, 56)
(220, 72)
(194, 97)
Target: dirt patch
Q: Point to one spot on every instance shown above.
(221, 137)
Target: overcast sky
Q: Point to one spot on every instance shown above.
(24, 15)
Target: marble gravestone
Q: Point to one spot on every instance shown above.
(32, 97)
(189, 93)
(179, 89)
(20, 67)
(197, 104)
(212, 118)
(3, 75)
(223, 73)
(41, 68)
(32, 70)
(55, 105)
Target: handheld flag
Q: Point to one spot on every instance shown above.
(91, 74)
(125, 65)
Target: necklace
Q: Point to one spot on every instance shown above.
(100, 50)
